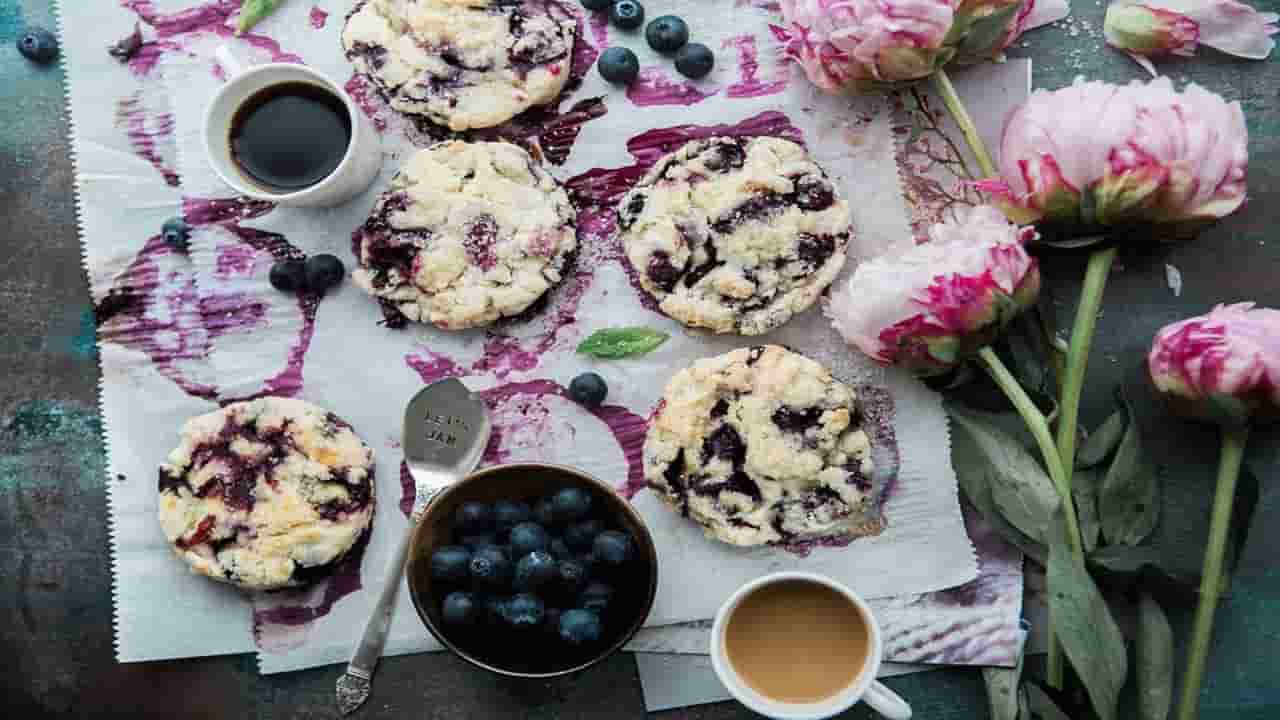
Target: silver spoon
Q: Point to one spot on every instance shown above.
(446, 429)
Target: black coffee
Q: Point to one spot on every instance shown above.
(290, 136)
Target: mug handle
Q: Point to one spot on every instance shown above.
(229, 62)
(886, 702)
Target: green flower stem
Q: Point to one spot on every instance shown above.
(1211, 581)
(958, 112)
(1039, 428)
(1095, 282)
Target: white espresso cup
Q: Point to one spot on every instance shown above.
(863, 687)
(353, 175)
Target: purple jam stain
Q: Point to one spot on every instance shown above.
(214, 18)
(366, 97)
(318, 17)
(145, 129)
(236, 260)
(599, 23)
(432, 367)
(749, 67)
(771, 6)
(282, 618)
(408, 490)
(654, 87)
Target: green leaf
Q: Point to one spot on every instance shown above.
(615, 343)
(985, 32)
(1151, 568)
(1084, 491)
(1154, 656)
(1129, 501)
(1042, 705)
(1002, 690)
(1102, 441)
(1084, 626)
(1020, 488)
(253, 12)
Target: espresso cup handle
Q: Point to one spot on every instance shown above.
(231, 65)
(886, 702)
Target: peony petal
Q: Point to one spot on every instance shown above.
(1237, 29)
(1043, 12)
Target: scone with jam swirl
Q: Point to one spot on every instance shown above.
(266, 494)
(762, 445)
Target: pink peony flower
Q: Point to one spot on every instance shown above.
(867, 45)
(1149, 28)
(1095, 155)
(928, 307)
(1224, 366)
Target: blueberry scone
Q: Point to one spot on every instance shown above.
(468, 233)
(761, 445)
(463, 63)
(735, 234)
(266, 494)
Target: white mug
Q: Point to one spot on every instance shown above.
(353, 176)
(864, 687)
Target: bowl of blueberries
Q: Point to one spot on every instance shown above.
(532, 570)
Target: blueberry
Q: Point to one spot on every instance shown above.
(508, 514)
(451, 564)
(612, 548)
(588, 390)
(551, 619)
(581, 534)
(618, 65)
(324, 272)
(667, 34)
(460, 608)
(695, 60)
(494, 608)
(544, 513)
(528, 537)
(490, 568)
(176, 234)
(535, 570)
(475, 542)
(38, 45)
(580, 627)
(560, 550)
(597, 4)
(473, 518)
(627, 14)
(288, 275)
(570, 577)
(571, 503)
(524, 611)
(586, 560)
(596, 598)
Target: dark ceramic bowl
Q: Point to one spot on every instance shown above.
(543, 656)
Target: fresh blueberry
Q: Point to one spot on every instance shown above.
(535, 570)
(597, 4)
(490, 569)
(581, 534)
(38, 45)
(508, 514)
(627, 14)
(560, 549)
(586, 560)
(596, 598)
(176, 234)
(571, 503)
(451, 564)
(612, 548)
(524, 611)
(618, 65)
(580, 627)
(473, 518)
(494, 608)
(588, 390)
(288, 275)
(460, 608)
(528, 537)
(551, 619)
(570, 576)
(695, 60)
(544, 513)
(324, 272)
(475, 542)
(667, 34)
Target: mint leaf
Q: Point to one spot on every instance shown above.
(615, 343)
(253, 12)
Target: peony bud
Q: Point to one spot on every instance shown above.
(1224, 366)
(1150, 28)
(1093, 155)
(928, 307)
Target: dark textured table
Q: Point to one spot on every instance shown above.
(55, 580)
